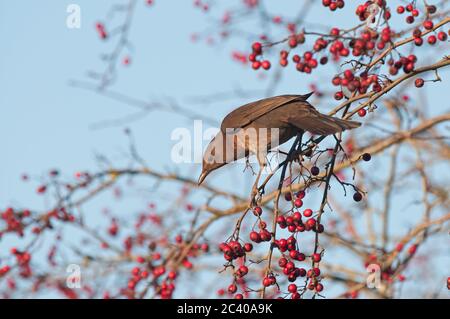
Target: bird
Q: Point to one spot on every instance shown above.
(257, 127)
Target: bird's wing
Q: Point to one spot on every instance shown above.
(248, 113)
(309, 119)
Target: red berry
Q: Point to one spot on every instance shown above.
(336, 81)
(335, 32)
(293, 254)
(296, 295)
(265, 64)
(316, 257)
(400, 9)
(307, 56)
(362, 112)
(348, 74)
(412, 250)
(307, 212)
(366, 157)
(428, 24)
(432, 39)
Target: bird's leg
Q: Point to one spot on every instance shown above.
(248, 165)
(297, 144)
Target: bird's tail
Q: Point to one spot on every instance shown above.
(328, 125)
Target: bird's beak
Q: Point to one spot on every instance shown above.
(202, 177)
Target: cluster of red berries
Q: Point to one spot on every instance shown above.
(333, 4)
(257, 51)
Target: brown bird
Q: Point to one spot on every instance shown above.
(257, 127)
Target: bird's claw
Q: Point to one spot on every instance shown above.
(256, 195)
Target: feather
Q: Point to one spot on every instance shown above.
(309, 119)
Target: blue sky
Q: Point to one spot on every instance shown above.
(46, 123)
